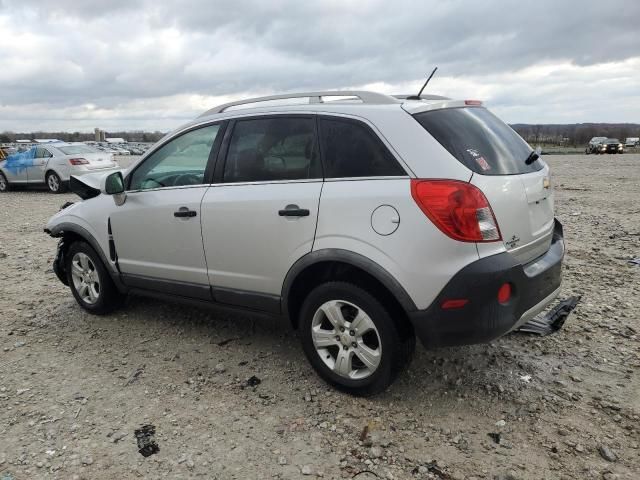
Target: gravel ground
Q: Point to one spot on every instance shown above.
(74, 387)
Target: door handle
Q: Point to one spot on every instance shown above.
(184, 212)
(293, 211)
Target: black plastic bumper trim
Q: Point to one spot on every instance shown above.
(483, 319)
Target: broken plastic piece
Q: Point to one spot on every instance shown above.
(553, 320)
(147, 445)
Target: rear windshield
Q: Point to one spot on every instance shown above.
(479, 140)
(73, 149)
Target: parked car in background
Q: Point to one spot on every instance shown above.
(632, 142)
(594, 145)
(121, 150)
(52, 164)
(611, 145)
(366, 223)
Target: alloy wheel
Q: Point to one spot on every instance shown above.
(86, 280)
(53, 182)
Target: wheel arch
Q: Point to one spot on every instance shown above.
(337, 264)
(70, 232)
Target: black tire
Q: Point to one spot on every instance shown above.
(108, 298)
(397, 346)
(54, 183)
(4, 183)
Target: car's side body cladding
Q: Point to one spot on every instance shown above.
(351, 258)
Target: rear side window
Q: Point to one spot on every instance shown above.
(479, 140)
(270, 149)
(42, 153)
(351, 149)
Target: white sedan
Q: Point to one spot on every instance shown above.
(52, 164)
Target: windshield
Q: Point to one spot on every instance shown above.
(479, 140)
(74, 149)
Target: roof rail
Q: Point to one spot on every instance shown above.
(314, 97)
(422, 97)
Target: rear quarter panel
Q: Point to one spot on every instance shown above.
(422, 153)
(418, 255)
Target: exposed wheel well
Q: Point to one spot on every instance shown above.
(326, 271)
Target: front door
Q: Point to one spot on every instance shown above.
(260, 216)
(17, 165)
(157, 231)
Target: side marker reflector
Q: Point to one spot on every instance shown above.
(454, 303)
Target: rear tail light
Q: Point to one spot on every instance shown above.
(78, 161)
(475, 103)
(459, 209)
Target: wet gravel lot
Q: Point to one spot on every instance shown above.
(74, 387)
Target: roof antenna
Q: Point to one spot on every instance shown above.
(417, 97)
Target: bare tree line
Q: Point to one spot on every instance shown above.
(132, 136)
(577, 134)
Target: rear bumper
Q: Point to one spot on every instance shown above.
(482, 319)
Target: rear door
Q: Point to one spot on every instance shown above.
(519, 192)
(260, 215)
(35, 173)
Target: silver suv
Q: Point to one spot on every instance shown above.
(364, 219)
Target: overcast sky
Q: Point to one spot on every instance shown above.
(148, 64)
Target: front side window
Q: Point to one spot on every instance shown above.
(271, 149)
(351, 149)
(182, 161)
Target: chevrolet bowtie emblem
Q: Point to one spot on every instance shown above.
(545, 182)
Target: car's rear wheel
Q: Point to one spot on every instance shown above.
(89, 280)
(4, 184)
(351, 339)
(55, 184)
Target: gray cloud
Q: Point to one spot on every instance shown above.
(106, 59)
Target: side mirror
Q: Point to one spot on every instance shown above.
(113, 184)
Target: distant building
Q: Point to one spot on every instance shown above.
(47, 140)
(99, 135)
(115, 140)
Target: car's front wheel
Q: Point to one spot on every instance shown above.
(89, 280)
(4, 184)
(351, 339)
(55, 184)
